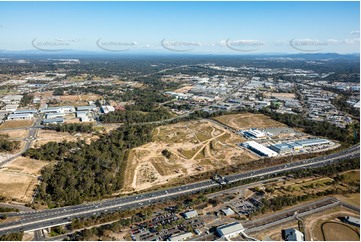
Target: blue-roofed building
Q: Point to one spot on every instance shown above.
(281, 148)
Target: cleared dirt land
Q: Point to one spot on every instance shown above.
(16, 134)
(249, 120)
(181, 150)
(45, 136)
(19, 178)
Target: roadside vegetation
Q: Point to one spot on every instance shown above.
(7, 145)
(71, 128)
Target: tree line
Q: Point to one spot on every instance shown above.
(71, 127)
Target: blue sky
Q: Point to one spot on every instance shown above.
(194, 27)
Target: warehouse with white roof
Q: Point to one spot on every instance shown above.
(259, 149)
(230, 230)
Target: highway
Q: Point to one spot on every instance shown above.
(46, 218)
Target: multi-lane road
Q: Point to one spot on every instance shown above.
(41, 219)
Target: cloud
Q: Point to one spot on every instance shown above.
(355, 32)
(352, 41)
(67, 40)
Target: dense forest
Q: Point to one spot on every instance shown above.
(135, 116)
(87, 172)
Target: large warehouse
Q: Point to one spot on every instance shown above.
(255, 134)
(230, 230)
(297, 145)
(259, 149)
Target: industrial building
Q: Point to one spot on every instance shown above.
(31, 111)
(292, 235)
(107, 109)
(297, 145)
(81, 114)
(12, 99)
(190, 214)
(68, 109)
(52, 110)
(352, 220)
(312, 142)
(11, 107)
(181, 237)
(227, 211)
(259, 149)
(281, 148)
(254, 134)
(54, 115)
(230, 230)
(86, 108)
(20, 116)
(53, 121)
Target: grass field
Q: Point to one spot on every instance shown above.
(248, 120)
(180, 150)
(353, 198)
(333, 231)
(16, 124)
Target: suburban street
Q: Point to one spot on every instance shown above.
(42, 219)
(28, 141)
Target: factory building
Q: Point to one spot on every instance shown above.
(31, 111)
(20, 116)
(11, 107)
(86, 108)
(107, 109)
(254, 134)
(352, 220)
(259, 149)
(292, 235)
(312, 142)
(181, 237)
(190, 214)
(297, 145)
(281, 148)
(52, 110)
(53, 121)
(68, 109)
(12, 99)
(81, 114)
(230, 230)
(54, 115)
